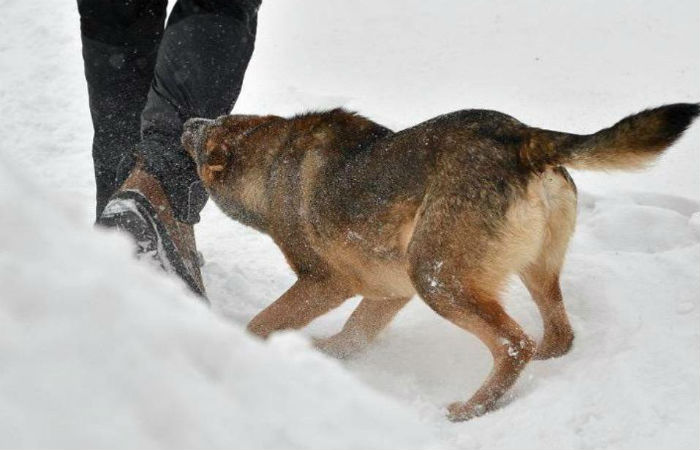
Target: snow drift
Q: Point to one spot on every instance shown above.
(98, 350)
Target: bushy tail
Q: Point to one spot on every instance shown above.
(634, 142)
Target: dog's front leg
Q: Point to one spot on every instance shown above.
(366, 322)
(307, 299)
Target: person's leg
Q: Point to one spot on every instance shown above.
(120, 43)
(199, 72)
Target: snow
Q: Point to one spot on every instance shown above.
(132, 360)
(97, 350)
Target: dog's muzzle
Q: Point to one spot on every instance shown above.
(193, 133)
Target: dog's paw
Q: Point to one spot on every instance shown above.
(553, 346)
(462, 411)
(332, 346)
(259, 328)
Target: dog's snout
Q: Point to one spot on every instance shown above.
(193, 131)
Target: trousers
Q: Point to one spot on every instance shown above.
(146, 78)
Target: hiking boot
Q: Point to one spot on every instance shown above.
(141, 209)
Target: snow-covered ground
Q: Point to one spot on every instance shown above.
(97, 350)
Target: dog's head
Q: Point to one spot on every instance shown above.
(220, 145)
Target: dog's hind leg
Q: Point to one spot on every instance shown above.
(541, 277)
(460, 274)
(544, 287)
(307, 299)
(369, 318)
(470, 304)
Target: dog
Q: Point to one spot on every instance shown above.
(447, 209)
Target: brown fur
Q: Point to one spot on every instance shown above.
(447, 209)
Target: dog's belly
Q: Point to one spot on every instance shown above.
(370, 277)
(385, 281)
(374, 263)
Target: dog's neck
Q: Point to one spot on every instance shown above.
(249, 202)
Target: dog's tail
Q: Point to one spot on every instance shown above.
(634, 142)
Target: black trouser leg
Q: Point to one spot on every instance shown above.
(120, 42)
(199, 71)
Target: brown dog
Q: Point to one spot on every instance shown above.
(447, 209)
